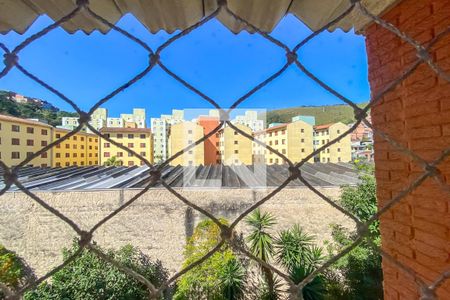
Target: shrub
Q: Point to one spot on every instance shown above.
(221, 276)
(89, 277)
(14, 272)
(358, 275)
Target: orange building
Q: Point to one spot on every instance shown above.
(211, 145)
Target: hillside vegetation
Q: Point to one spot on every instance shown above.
(324, 114)
(31, 110)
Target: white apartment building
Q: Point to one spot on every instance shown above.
(160, 129)
(250, 119)
(137, 117)
(98, 120)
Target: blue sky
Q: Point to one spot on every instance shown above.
(219, 63)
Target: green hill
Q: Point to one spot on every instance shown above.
(323, 114)
(31, 111)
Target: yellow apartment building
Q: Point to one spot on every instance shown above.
(181, 135)
(234, 148)
(338, 152)
(294, 140)
(139, 140)
(80, 149)
(20, 138)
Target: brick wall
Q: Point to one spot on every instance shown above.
(417, 114)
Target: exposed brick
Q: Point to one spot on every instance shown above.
(417, 115)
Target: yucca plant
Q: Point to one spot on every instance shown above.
(261, 244)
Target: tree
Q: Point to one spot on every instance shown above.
(358, 275)
(261, 244)
(113, 161)
(89, 277)
(221, 276)
(293, 249)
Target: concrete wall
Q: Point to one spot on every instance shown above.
(158, 223)
(417, 114)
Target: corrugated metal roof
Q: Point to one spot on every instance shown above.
(171, 15)
(237, 176)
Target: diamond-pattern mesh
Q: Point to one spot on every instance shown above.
(430, 169)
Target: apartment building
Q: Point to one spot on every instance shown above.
(160, 129)
(181, 136)
(139, 140)
(294, 140)
(211, 149)
(137, 118)
(249, 119)
(338, 152)
(98, 120)
(234, 148)
(81, 149)
(20, 138)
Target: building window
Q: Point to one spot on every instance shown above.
(283, 141)
(106, 145)
(302, 140)
(75, 155)
(82, 139)
(15, 141)
(283, 151)
(283, 132)
(74, 137)
(67, 164)
(143, 153)
(130, 163)
(82, 154)
(303, 150)
(302, 130)
(30, 130)
(58, 155)
(44, 165)
(90, 139)
(276, 160)
(131, 136)
(270, 143)
(271, 160)
(130, 154)
(338, 131)
(58, 135)
(236, 142)
(58, 164)
(74, 146)
(339, 159)
(15, 128)
(44, 131)
(143, 145)
(67, 146)
(338, 149)
(67, 155)
(130, 145)
(328, 159)
(119, 135)
(82, 146)
(119, 154)
(236, 151)
(44, 155)
(106, 154)
(276, 142)
(90, 154)
(43, 143)
(29, 154)
(82, 163)
(190, 152)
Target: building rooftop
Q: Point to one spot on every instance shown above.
(99, 177)
(324, 126)
(125, 129)
(23, 121)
